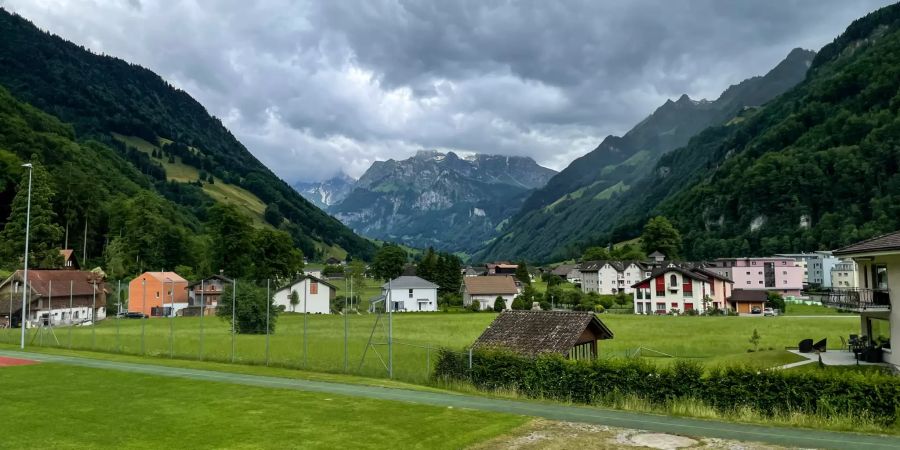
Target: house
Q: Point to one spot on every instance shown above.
(314, 295)
(473, 272)
(720, 288)
(409, 293)
(56, 297)
(568, 272)
(843, 274)
(314, 273)
(158, 294)
(777, 273)
(675, 289)
(332, 261)
(485, 290)
(70, 262)
(657, 257)
(573, 334)
(816, 267)
(748, 301)
(878, 278)
(206, 293)
(611, 277)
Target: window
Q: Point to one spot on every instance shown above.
(784, 272)
(640, 307)
(673, 281)
(748, 281)
(760, 282)
(754, 263)
(410, 293)
(748, 272)
(313, 287)
(660, 306)
(157, 294)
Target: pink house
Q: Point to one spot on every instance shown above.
(776, 274)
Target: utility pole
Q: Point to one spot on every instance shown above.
(27, 231)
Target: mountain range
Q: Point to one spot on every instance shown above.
(325, 194)
(572, 203)
(440, 200)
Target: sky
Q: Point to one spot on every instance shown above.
(313, 88)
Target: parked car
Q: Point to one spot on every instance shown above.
(755, 310)
(770, 312)
(134, 315)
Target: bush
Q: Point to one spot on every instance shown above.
(546, 306)
(475, 306)
(499, 304)
(725, 389)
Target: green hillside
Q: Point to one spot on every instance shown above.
(101, 96)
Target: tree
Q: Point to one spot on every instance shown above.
(427, 267)
(250, 309)
(595, 254)
(754, 339)
(660, 235)
(44, 233)
(295, 300)
(522, 273)
(775, 300)
(356, 270)
(273, 215)
(627, 252)
(389, 261)
(499, 304)
(233, 246)
(275, 256)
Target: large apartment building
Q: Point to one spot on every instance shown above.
(816, 267)
(779, 274)
(612, 277)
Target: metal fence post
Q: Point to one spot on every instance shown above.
(233, 296)
(143, 319)
(268, 302)
(202, 313)
(71, 322)
(305, 320)
(118, 313)
(470, 358)
(171, 319)
(49, 307)
(94, 315)
(427, 359)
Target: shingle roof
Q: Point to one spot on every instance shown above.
(534, 332)
(693, 274)
(885, 242)
(410, 282)
(657, 254)
(167, 277)
(593, 266)
(213, 277)
(490, 285)
(40, 283)
(749, 295)
(563, 270)
(304, 277)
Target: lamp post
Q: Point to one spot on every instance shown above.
(25, 272)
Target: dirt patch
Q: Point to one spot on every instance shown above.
(7, 362)
(546, 434)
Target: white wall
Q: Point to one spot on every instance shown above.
(487, 301)
(420, 299)
(319, 303)
(699, 289)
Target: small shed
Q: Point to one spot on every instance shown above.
(573, 334)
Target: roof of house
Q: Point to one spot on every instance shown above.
(66, 253)
(492, 285)
(410, 282)
(307, 277)
(593, 266)
(41, 282)
(657, 254)
(710, 274)
(749, 295)
(213, 277)
(534, 332)
(883, 243)
(166, 277)
(690, 273)
(563, 269)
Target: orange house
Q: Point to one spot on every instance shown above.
(155, 289)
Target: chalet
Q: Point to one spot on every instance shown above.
(70, 262)
(485, 290)
(473, 272)
(878, 278)
(332, 261)
(501, 268)
(205, 294)
(158, 294)
(679, 289)
(314, 295)
(568, 272)
(56, 297)
(408, 293)
(573, 334)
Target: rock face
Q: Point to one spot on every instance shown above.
(326, 193)
(439, 199)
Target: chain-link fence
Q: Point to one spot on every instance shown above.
(354, 341)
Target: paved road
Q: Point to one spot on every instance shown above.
(663, 424)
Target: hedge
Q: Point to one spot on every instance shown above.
(726, 389)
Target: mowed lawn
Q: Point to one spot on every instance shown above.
(58, 406)
(709, 340)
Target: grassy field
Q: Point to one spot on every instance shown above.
(709, 340)
(93, 408)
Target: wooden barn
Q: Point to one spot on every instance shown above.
(573, 334)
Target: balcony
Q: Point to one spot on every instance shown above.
(854, 299)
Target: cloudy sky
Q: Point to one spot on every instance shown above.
(313, 88)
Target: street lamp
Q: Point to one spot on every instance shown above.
(25, 274)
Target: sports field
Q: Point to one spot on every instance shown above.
(710, 340)
(52, 405)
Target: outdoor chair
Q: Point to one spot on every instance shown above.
(820, 346)
(844, 344)
(806, 346)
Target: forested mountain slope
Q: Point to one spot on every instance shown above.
(102, 96)
(565, 210)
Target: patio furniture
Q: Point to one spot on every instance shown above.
(844, 343)
(821, 345)
(871, 354)
(806, 346)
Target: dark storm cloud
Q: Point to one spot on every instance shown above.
(313, 88)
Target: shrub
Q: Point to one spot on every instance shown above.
(546, 306)
(724, 389)
(475, 306)
(499, 304)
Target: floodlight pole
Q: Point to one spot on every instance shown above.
(25, 272)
